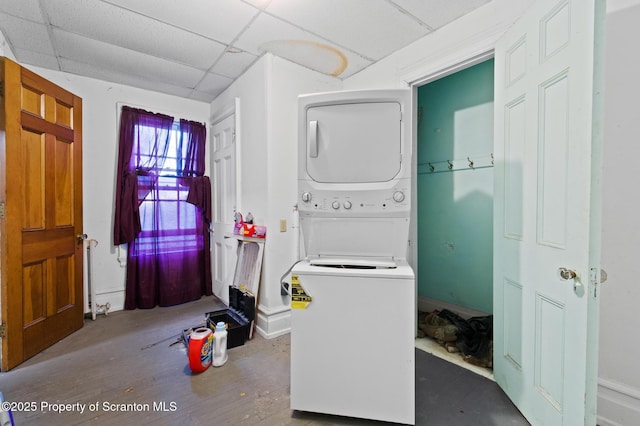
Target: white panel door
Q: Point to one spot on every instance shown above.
(224, 204)
(546, 210)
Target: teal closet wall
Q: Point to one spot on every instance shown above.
(455, 207)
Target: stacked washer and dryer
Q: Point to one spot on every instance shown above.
(353, 294)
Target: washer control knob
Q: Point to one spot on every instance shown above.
(335, 205)
(347, 205)
(306, 197)
(398, 196)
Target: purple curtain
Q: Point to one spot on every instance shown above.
(168, 260)
(144, 140)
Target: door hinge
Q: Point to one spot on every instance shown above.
(597, 278)
(3, 331)
(1, 88)
(1, 210)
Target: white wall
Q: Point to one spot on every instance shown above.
(99, 156)
(251, 91)
(268, 156)
(285, 82)
(619, 375)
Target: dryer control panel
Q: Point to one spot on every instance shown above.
(394, 201)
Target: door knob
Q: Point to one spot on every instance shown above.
(567, 274)
(81, 237)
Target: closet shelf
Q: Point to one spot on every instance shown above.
(469, 163)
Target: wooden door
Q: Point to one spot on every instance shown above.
(548, 153)
(41, 190)
(224, 204)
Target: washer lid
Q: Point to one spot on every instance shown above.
(354, 262)
(306, 268)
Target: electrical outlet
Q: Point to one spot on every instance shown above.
(283, 225)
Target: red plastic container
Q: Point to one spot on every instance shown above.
(200, 349)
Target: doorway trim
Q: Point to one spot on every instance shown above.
(474, 49)
(426, 304)
(223, 253)
(453, 65)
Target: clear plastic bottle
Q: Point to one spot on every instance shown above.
(219, 345)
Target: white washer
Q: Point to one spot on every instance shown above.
(352, 348)
(353, 297)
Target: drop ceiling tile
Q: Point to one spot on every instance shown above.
(26, 9)
(266, 29)
(437, 13)
(42, 60)
(201, 96)
(110, 24)
(233, 63)
(213, 84)
(260, 4)
(355, 63)
(101, 73)
(183, 48)
(26, 35)
(85, 50)
(374, 29)
(219, 20)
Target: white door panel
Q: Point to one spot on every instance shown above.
(546, 149)
(224, 204)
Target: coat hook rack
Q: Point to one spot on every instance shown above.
(479, 162)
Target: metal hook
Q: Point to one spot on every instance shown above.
(470, 162)
(433, 169)
(450, 165)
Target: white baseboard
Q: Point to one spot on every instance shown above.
(271, 323)
(114, 299)
(428, 304)
(618, 404)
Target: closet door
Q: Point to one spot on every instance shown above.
(546, 262)
(41, 190)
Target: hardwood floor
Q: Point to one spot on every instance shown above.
(130, 368)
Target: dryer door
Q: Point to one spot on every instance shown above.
(353, 143)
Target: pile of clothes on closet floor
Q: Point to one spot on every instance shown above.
(472, 337)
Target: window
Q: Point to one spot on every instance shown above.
(163, 208)
(167, 220)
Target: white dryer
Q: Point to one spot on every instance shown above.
(353, 296)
